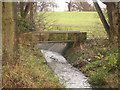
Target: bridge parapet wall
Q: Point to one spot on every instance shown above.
(62, 36)
(55, 36)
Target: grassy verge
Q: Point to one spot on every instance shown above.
(31, 71)
(97, 59)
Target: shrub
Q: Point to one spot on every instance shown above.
(25, 25)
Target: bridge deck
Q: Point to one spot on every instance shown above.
(58, 32)
(64, 41)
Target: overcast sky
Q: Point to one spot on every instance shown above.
(62, 6)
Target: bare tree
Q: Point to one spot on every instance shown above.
(111, 27)
(46, 5)
(112, 11)
(77, 5)
(69, 5)
(24, 8)
(118, 61)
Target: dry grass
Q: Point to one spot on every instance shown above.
(31, 71)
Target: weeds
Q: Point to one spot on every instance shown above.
(94, 64)
(31, 71)
(102, 59)
(98, 77)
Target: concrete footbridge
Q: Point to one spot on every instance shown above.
(56, 36)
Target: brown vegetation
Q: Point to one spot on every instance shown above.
(97, 59)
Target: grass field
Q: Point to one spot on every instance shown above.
(82, 21)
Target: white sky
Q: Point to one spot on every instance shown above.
(62, 6)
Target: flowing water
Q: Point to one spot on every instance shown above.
(67, 74)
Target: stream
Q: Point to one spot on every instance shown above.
(68, 75)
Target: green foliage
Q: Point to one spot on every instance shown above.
(97, 77)
(111, 61)
(92, 65)
(25, 25)
(100, 68)
(102, 51)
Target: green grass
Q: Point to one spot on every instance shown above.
(80, 21)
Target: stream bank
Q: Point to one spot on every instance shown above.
(97, 59)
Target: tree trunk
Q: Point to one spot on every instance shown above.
(119, 29)
(118, 62)
(17, 34)
(24, 9)
(31, 12)
(102, 17)
(0, 38)
(112, 11)
(27, 9)
(8, 31)
(69, 6)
